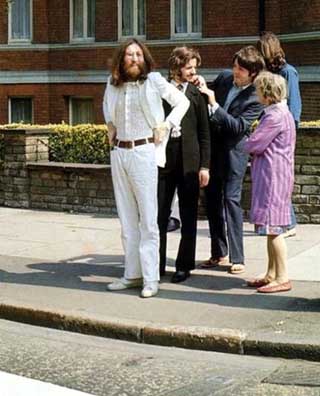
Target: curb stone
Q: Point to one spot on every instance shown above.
(193, 337)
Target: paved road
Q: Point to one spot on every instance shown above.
(104, 367)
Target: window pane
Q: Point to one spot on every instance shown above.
(141, 17)
(91, 17)
(196, 16)
(181, 16)
(21, 110)
(82, 111)
(20, 19)
(77, 18)
(127, 17)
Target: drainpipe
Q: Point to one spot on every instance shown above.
(262, 15)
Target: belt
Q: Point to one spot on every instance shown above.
(132, 143)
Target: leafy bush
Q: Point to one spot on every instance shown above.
(85, 143)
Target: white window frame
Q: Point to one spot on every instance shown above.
(10, 107)
(12, 40)
(188, 34)
(85, 24)
(135, 21)
(71, 98)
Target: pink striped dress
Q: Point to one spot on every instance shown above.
(272, 170)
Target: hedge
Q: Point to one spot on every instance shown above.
(85, 143)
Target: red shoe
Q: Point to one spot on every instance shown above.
(282, 287)
(257, 282)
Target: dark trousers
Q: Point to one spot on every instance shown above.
(224, 208)
(170, 178)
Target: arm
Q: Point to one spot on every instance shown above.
(294, 98)
(268, 128)
(174, 97)
(112, 132)
(203, 133)
(237, 126)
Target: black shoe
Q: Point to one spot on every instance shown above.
(173, 225)
(180, 276)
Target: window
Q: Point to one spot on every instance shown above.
(20, 110)
(132, 18)
(83, 16)
(20, 17)
(81, 111)
(186, 17)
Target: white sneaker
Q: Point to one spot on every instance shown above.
(150, 289)
(123, 283)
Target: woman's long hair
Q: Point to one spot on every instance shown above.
(272, 52)
(117, 69)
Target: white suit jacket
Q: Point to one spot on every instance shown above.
(151, 93)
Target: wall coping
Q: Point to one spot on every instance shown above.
(27, 132)
(66, 166)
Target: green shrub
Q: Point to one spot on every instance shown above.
(84, 143)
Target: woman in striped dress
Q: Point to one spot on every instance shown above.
(272, 147)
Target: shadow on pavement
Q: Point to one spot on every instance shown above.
(75, 273)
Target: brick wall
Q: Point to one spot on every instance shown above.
(310, 101)
(299, 15)
(232, 18)
(106, 20)
(227, 18)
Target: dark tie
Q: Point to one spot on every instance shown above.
(180, 87)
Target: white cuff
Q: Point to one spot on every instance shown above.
(213, 108)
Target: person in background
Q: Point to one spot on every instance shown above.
(274, 56)
(138, 132)
(187, 166)
(272, 170)
(233, 107)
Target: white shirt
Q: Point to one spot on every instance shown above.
(130, 119)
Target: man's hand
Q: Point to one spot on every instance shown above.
(200, 82)
(204, 177)
(160, 131)
(112, 133)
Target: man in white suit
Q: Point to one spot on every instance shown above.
(138, 132)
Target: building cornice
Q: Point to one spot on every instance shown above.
(226, 40)
(306, 73)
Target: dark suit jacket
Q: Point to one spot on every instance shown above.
(195, 132)
(230, 128)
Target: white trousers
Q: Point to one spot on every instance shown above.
(135, 180)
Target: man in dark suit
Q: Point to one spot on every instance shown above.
(187, 163)
(233, 107)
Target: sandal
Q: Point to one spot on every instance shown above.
(213, 262)
(257, 282)
(237, 269)
(281, 287)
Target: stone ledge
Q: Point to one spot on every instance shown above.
(65, 166)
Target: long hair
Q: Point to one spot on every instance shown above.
(272, 52)
(251, 59)
(178, 59)
(117, 68)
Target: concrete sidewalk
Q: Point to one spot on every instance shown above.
(54, 268)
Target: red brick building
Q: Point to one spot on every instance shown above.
(54, 53)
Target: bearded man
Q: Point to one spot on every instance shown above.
(138, 132)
